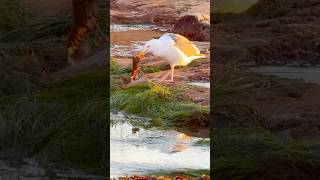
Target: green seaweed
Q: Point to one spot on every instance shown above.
(68, 122)
(13, 14)
(186, 173)
(203, 142)
(63, 121)
(165, 106)
(156, 101)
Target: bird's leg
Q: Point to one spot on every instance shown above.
(172, 72)
(164, 77)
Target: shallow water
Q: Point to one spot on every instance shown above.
(134, 27)
(201, 84)
(126, 51)
(137, 151)
(117, 50)
(308, 74)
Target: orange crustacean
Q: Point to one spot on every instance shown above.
(136, 68)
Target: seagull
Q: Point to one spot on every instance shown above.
(175, 49)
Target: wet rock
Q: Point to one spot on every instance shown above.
(195, 27)
(135, 130)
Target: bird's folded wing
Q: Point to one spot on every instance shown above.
(186, 46)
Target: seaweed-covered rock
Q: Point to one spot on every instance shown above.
(196, 27)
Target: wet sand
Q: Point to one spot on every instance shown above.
(126, 37)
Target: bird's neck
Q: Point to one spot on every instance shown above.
(158, 51)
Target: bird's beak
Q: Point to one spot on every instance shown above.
(141, 54)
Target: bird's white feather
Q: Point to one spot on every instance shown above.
(173, 47)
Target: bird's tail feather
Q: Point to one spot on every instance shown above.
(197, 56)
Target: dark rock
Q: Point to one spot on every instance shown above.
(195, 27)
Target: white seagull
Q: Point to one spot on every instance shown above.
(175, 49)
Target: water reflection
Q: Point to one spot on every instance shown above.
(126, 50)
(134, 27)
(137, 151)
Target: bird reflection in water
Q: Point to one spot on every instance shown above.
(181, 138)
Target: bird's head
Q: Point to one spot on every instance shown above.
(149, 46)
